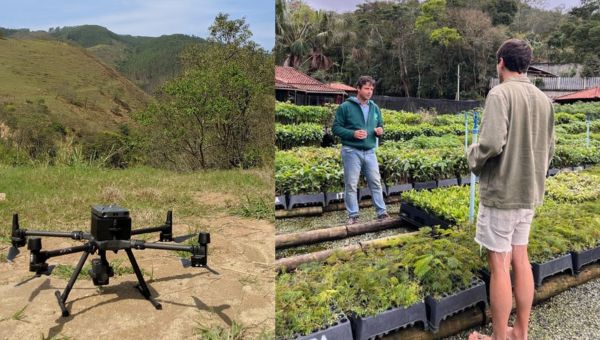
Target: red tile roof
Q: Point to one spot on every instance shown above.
(343, 87)
(593, 93)
(288, 78)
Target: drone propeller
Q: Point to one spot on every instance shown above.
(183, 238)
(18, 239)
(12, 253)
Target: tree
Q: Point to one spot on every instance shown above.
(213, 114)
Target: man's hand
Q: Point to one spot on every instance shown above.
(360, 134)
(379, 131)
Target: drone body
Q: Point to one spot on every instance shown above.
(110, 230)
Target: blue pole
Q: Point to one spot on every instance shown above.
(473, 177)
(466, 130)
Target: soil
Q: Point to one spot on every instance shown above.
(239, 288)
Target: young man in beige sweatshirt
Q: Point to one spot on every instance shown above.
(512, 158)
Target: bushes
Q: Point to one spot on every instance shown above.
(304, 134)
(295, 114)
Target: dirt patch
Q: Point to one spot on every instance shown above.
(215, 199)
(240, 288)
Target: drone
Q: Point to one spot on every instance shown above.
(110, 230)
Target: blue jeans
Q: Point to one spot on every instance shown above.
(354, 161)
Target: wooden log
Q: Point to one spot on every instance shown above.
(474, 316)
(299, 212)
(326, 234)
(307, 237)
(371, 226)
(363, 204)
(293, 262)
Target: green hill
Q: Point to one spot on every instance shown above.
(147, 61)
(61, 89)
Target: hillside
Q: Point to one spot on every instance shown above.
(147, 61)
(54, 84)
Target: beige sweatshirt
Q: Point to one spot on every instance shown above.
(516, 145)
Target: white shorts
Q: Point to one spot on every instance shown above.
(500, 229)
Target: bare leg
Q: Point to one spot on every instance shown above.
(500, 293)
(523, 291)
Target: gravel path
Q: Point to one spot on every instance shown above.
(328, 219)
(573, 314)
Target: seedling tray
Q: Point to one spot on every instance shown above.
(280, 202)
(363, 193)
(442, 183)
(334, 197)
(457, 302)
(425, 185)
(388, 321)
(340, 330)
(584, 257)
(553, 171)
(421, 217)
(398, 189)
(306, 200)
(549, 268)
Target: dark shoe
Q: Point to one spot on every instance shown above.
(383, 217)
(352, 220)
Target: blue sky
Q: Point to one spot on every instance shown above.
(142, 17)
(350, 5)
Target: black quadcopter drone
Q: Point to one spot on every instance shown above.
(110, 230)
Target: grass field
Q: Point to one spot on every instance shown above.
(59, 198)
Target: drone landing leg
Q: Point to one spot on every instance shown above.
(142, 287)
(63, 298)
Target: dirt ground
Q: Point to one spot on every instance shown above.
(240, 289)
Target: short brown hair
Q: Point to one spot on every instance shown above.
(364, 80)
(517, 55)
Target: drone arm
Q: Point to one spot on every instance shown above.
(65, 251)
(75, 235)
(138, 244)
(166, 230)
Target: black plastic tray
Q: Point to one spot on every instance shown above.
(386, 322)
(584, 257)
(421, 217)
(341, 330)
(306, 200)
(449, 305)
(397, 189)
(549, 268)
(334, 197)
(425, 185)
(442, 183)
(281, 202)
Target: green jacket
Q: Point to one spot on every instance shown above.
(515, 147)
(349, 118)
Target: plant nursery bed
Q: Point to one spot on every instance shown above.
(306, 200)
(420, 217)
(388, 321)
(364, 192)
(457, 302)
(465, 180)
(280, 202)
(584, 257)
(553, 171)
(397, 189)
(425, 185)
(556, 265)
(339, 330)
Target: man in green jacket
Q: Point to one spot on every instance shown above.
(512, 158)
(359, 124)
